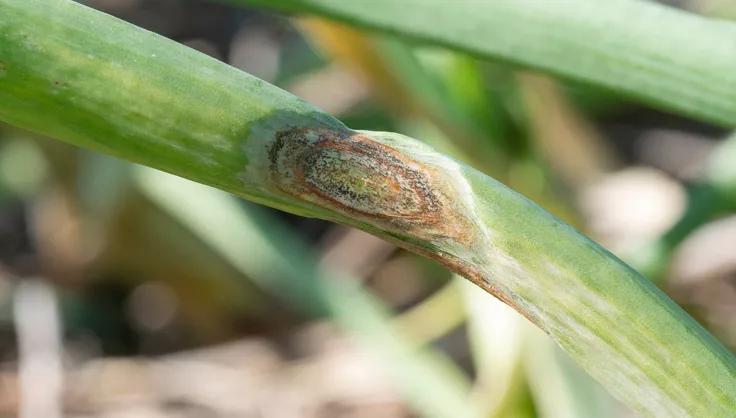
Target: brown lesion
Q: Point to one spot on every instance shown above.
(357, 176)
(468, 271)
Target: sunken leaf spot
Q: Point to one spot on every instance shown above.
(357, 176)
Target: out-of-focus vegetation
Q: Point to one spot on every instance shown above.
(126, 292)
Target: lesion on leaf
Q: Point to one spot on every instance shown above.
(358, 176)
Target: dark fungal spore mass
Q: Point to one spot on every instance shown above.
(355, 175)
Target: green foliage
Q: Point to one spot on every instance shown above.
(97, 82)
(664, 57)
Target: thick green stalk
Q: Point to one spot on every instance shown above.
(86, 78)
(664, 57)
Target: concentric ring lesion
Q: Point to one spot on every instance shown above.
(356, 175)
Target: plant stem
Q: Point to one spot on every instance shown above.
(95, 81)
